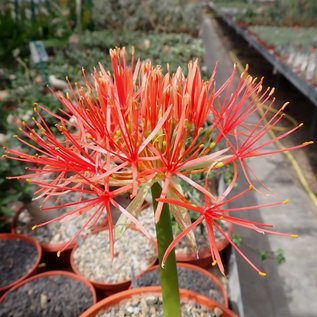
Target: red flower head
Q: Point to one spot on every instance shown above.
(133, 127)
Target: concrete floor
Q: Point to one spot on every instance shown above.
(289, 289)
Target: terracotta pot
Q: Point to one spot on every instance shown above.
(52, 273)
(204, 259)
(202, 271)
(33, 242)
(117, 298)
(106, 289)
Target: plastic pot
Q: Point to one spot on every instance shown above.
(104, 288)
(32, 270)
(50, 293)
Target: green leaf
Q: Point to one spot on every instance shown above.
(237, 239)
(279, 256)
(7, 211)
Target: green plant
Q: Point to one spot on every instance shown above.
(148, 15)
(11, 191)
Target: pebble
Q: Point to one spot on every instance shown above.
(133, 251)
(55, 232)
(150, 308)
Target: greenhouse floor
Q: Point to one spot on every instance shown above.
(290, 288)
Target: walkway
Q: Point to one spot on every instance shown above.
(290, 289)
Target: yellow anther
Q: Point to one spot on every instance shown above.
(66, 77)
(308, 143)
(294, 235)
(34, 227)
(219, 165)
(260, 89)
(301, 124)
(251, 187)
(272, 91)
(214, 263)
(262, 273)
(221, 217)
(58, 254)
(212, 145)
(15, 136)
(201, 145)
(28, 180)
(285, 202)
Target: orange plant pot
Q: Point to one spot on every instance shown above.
(50, 249)
(105, 289)
(33, 242)
(202, 271)
(117, 298)
(52, 273)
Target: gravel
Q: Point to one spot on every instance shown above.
(53, 233)
(56, 232)
(133, 252)
(50, 296)
(150, 305)
(17, 259)
(188, 279)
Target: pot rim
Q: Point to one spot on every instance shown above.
(116, 298)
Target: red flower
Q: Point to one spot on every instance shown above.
(125, 131)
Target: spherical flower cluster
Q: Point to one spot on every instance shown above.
(135, 126)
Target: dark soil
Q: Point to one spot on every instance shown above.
(50, 296)
(17, 259)
(188, 279)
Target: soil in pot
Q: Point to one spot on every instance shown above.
(54, 295)
(19, 258)
(133, 253)
(188, 278)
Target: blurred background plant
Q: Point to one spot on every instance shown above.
(163, 31)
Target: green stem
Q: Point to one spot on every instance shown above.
(168, 274)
